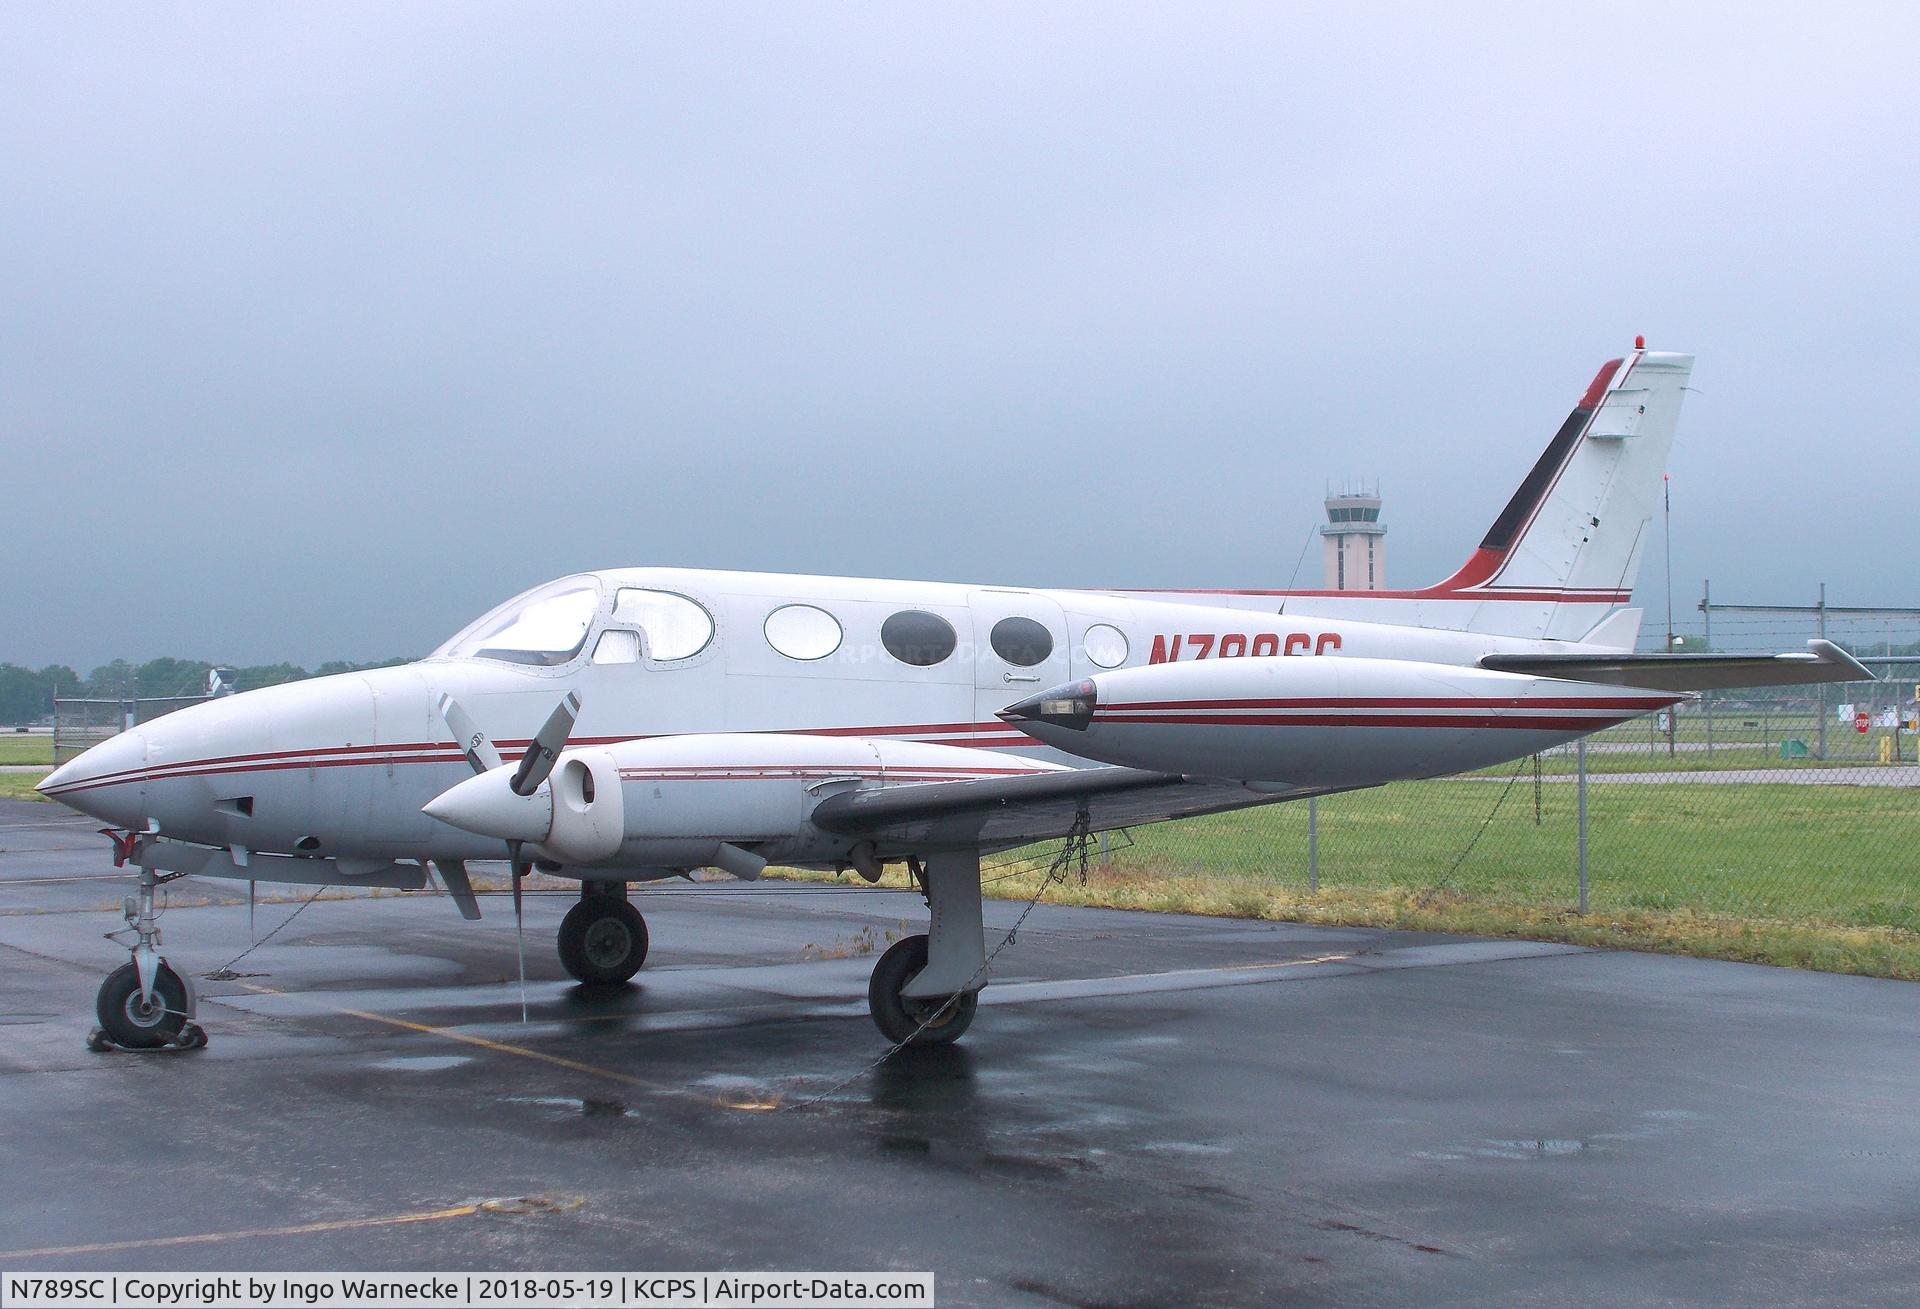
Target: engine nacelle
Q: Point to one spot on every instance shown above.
(588, 805)
(727, 800)
(1321, 721)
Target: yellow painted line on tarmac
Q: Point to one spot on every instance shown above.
(503, 1047)
(207, 1238)
(747, 1104)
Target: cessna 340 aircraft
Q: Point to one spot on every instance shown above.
(638, 723)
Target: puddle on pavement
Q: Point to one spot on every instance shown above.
(1185, 1147)
(421, 1063)
(971, 1158)
(1652, 1124)
(573, 1106)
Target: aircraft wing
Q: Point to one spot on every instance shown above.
(1015, 810)
(1823, 661)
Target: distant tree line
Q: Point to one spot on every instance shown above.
(27, 694)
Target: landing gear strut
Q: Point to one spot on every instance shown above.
(925, 989)
(603, 939)
(144, 1004)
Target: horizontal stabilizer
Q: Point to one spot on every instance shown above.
(1823, 662)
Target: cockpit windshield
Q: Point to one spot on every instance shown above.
(544, 627)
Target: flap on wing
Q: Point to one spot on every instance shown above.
(1014, 810)
(1823, 662)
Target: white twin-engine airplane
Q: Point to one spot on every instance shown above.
(667, 719)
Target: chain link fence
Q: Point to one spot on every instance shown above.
(1797, 839)
(1780, 816)
(81, 724)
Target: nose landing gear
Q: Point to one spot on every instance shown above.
(144, 1004)
(603, 939)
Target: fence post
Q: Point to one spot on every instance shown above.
(1706, 697)
(1313, 845)
(1580, 752)
(1820, 622)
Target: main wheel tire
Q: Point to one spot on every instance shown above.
(901, 1018)
(603, 940)
(139, 1024)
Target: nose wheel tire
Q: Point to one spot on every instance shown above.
(938, 1020)
(137, 1023)
(603, 939)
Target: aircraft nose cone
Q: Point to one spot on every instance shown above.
(104, 782)
(486, 805)
(1069, 705)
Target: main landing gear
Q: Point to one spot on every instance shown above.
(925, 989)
(144, 1004)
(603, 939)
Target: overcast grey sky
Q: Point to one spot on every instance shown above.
(326, 327)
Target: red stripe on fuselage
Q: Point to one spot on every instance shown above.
(778, 772)
(1523, 722)
(1409, 702)
(1444, 591)
(348, 756)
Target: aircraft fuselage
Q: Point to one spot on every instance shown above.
(341, 766)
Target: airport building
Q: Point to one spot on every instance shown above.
(1352, 543)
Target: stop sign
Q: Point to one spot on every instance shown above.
(1860, 721)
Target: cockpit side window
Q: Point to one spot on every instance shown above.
(544, 628)
(676, 627)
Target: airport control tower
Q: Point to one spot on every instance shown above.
(1352, 548)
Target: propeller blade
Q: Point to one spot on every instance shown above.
(480, 752)
(546, 745)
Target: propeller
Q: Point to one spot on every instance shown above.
(481, 756)
(536, 765)
(545, 747)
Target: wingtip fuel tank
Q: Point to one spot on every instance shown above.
(1328, 722)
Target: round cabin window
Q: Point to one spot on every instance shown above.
(917, 637)
(1022, 642)
(1106, 646)
(803, 632)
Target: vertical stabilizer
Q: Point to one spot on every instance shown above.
(1567, 547)
(1564, 552)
